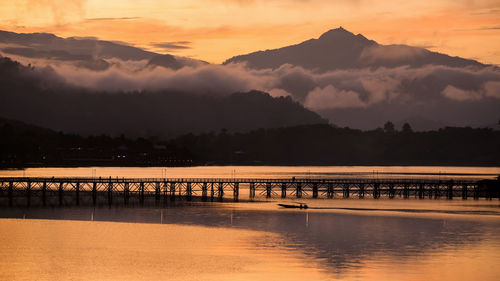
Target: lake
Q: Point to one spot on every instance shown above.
(339, 239)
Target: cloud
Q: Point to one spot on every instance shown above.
(492, 89)
(330, 97)
(63, 11)
(86, 61)
(112, 19)
(279, 93)
(490, 27)
(459, 94)
(239, 2)
(171, 46)
(390, 53)
(206, 79)
(486, 12)
(360, 88)
(84, 38)
(381, 88)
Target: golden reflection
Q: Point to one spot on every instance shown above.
(90, 250)
(86, 250)
(259, 172)
(464, 264)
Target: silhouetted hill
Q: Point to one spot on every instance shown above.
(90, 52)
(341, 49)
(77, 46)
(48, 102)
(169, 61)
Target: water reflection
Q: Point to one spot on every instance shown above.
(340, 241)
(436, 172)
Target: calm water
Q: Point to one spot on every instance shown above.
(262, 172)
(348, 239)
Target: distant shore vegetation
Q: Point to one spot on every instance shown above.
(23, 145)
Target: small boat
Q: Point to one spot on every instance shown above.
(296, 205)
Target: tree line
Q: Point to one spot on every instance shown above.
(24, 145)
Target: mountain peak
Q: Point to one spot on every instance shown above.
(336, 33)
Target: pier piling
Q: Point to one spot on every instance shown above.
(221, 191)
(450, 190)
(172, 191)
(236, 191)
(125, 193)
(204, 190)
(141, 198)
(268, 190)
(298, 191)
(77, 193)
(110, 193)
(376, 190)
(406, 191)
(10, 193)
(283, 190)
(252, 190)
(28, 193)
(94, 193)
(361, 190)
(44, 193)
(345, 191)
(329, 191)
(60, 192)
(157, 193)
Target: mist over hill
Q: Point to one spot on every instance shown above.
(42, 98)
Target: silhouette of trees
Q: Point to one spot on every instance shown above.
(406, 128)
(389, 127)
(26, 145)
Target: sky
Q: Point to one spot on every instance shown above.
(215, 30)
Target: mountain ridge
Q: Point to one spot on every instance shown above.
(341, 49)
(88, 52)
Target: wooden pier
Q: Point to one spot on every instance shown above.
(27, 191)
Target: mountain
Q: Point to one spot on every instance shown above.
(175, 63)
(85, 52)
(41, 99)
(341, 49)
(78, 46)
(354, 81)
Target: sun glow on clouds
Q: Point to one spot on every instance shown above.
(219, 29)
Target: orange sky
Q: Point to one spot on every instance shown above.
(214, 30)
